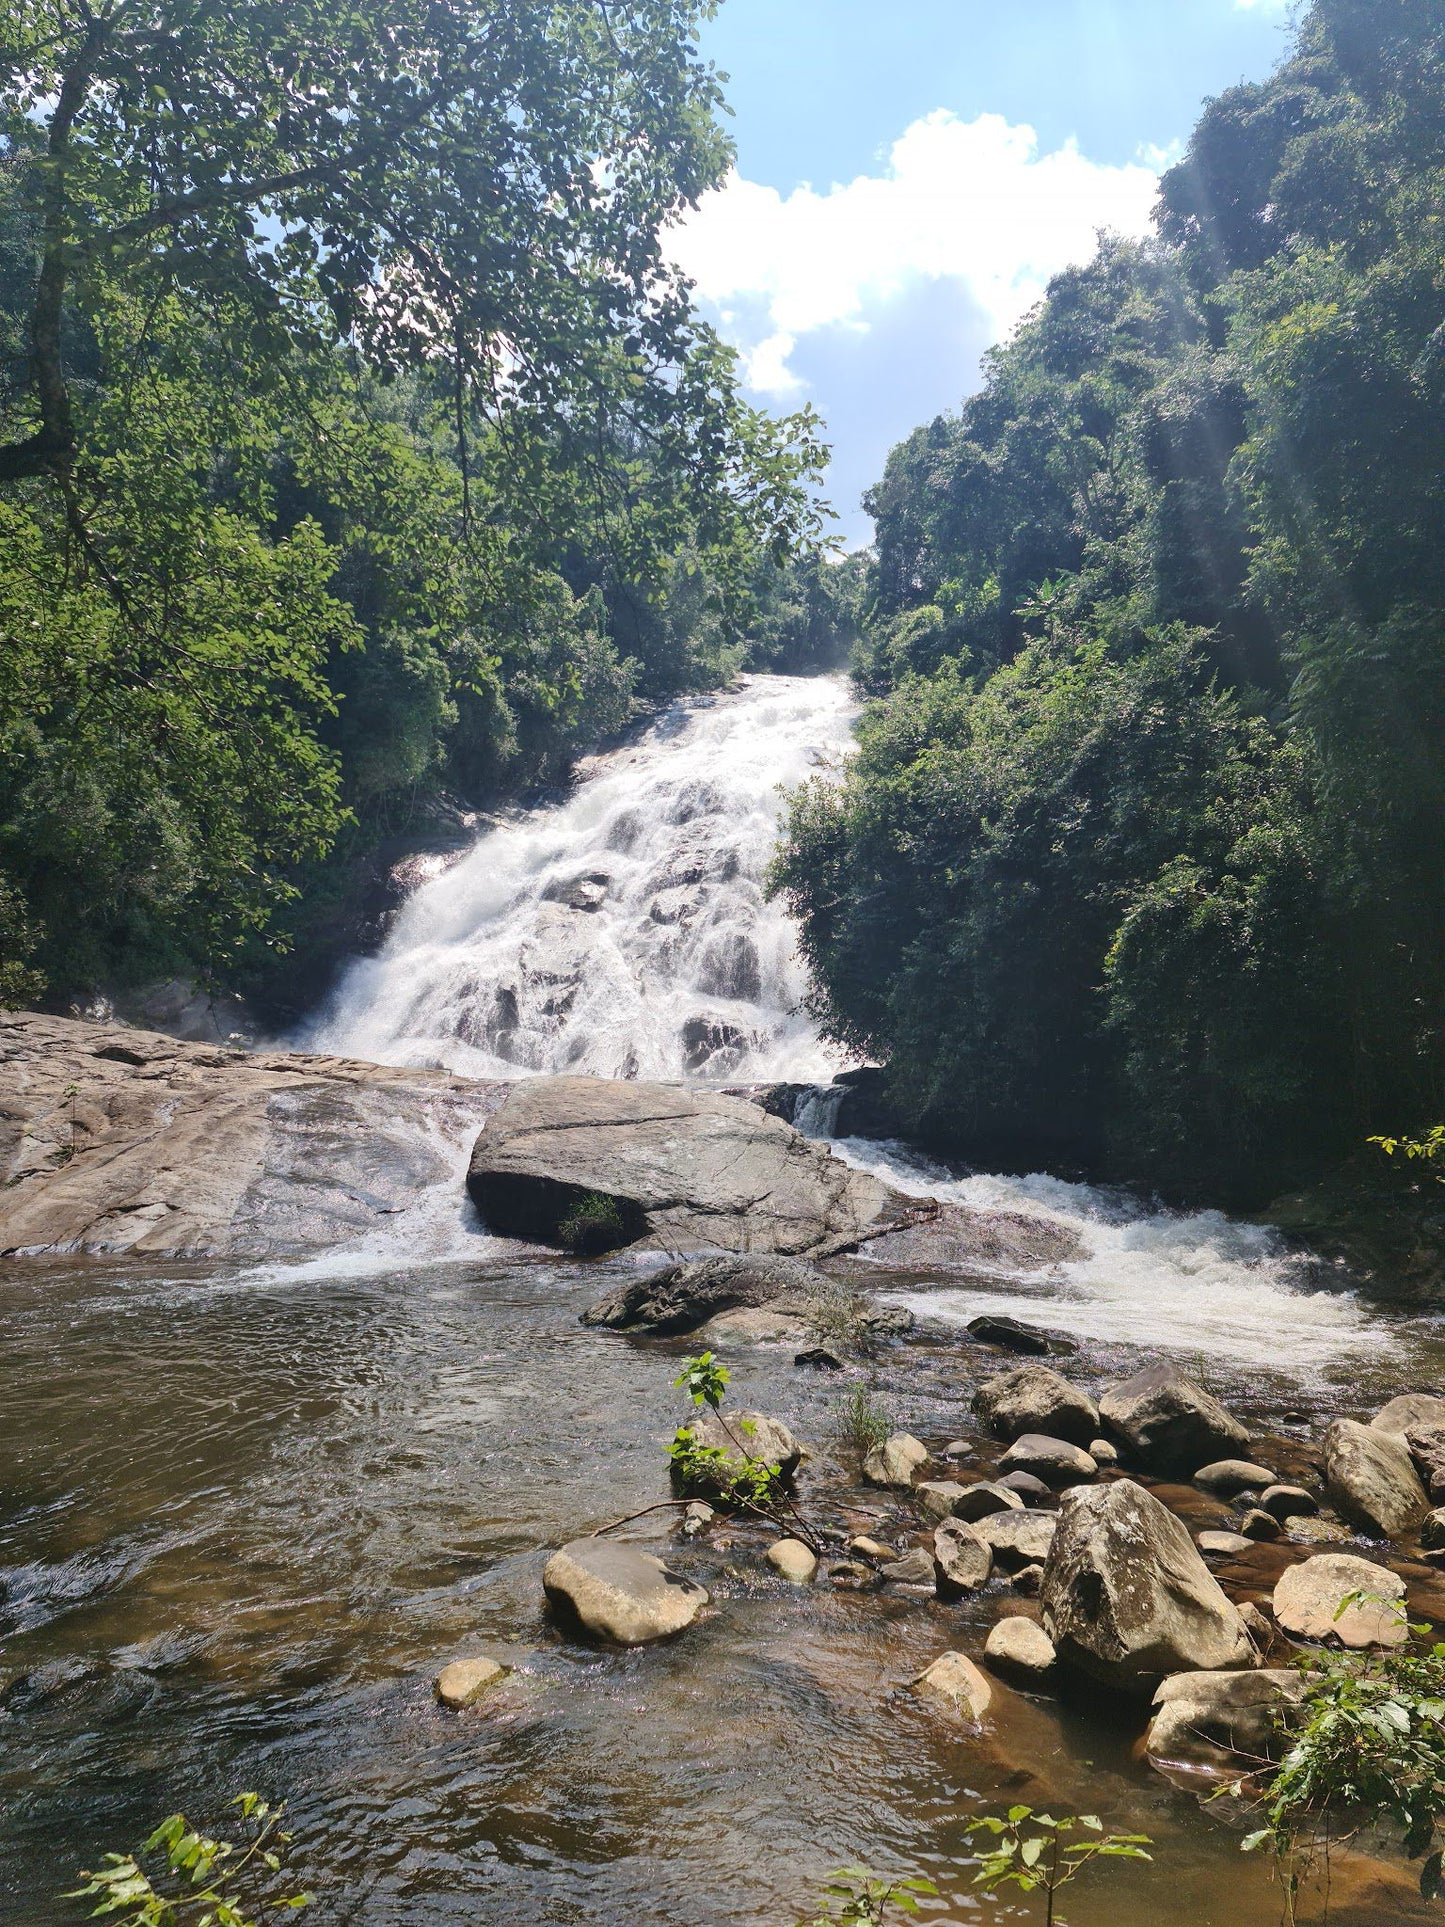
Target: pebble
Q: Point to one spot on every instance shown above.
(797, 1563)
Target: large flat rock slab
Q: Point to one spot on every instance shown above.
(686, 1170)
(120, 1140)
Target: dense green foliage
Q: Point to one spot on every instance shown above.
(198, 1880)
(1140, 861)
(355, 438)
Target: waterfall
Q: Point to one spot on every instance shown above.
(624, 932)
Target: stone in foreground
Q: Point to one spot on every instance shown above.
(1019, 1650)
(621, 1593)
(958, 1684)
(962, 1560)
(1165, 1422)
(894, 1462)
(1034, 1398)
(795, 1561)
(1372, 1479)
(685, 1169)
(465, 1680)
(1127, 1597)
(1223, 1722)
(1309, 1597)
(1409, 1412)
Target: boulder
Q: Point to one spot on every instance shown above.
(681, 1297)
(962, 1561)
(1223, 1545)
(894, 1462)
(1225, 1722)
(915, 1569)
(1165, 1422)
(684, 1169)
(747, 1435)
(797, 1563)
(1019, 1650)
(1259, 1524)
(1427, 1449)
(986, 1496)
(465, 1680)
(1318, 1532)
(818, 1358)
(1411, 1410)
(1012, 1335)
(620, 1592)
(1029, 1488)
(1018, 1539)
(1033, 1398)
(1288, 1502)
(1309, 1597)
(1432, 1531)
(1227, 1478)
(1372, 1479)
(1054, 1461)
(937, 1498)
(955, 1682)
(1127, 1597)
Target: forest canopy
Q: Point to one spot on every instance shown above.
(1140, 862)
(356, 438)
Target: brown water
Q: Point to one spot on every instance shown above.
(244, 1519)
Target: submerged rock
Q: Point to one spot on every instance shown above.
(956, 1683)
(1309, 1598)
(1372, 1479)
(1127, 1597)
(619, 1592)
(1019, 1650)
(1035, 1399)
(1164, 1421)
(1225, 1722)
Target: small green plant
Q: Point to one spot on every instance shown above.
(730, 1473)
(593, 1225)
(858, 1897)
(71, 1093)
(1368, 1749)
(1036, 1852)
(1428, 1149)
(198, 1882)
(861, 1421)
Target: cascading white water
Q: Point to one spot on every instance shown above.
(625, 932)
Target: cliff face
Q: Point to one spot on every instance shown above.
(119, 1140)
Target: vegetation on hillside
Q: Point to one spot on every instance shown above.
(1139, 864)
(356, 438)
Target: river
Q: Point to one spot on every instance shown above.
(248, 1511)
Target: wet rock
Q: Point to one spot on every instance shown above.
(748, 1435)
(986, 1496)
(936, 1498)
(956, 1683)
(1410, 1411)
(711, 1041)
(1029, 1488)
(1227, 1478)
(1164, 1421)
(1035, 1399)
(681, 1297)
(1318, 1532)
(1019, 1650)
(872, 1550)
(1103, 1452)
(587, 892)
(684, 1168)
(818, 1358)
(797, 1563)
(1372, 1479)
(1029, 1580)
(1427, 1449)
(1288, 1502)
(1259, 1524)
(1054, 1461)
(1223, 1545)
(465, 1680)
(895, 1461)
(1018, 1539)
(1012, 1335)
(1432, 1531)
(698, 1517)
(915, 1568)
(853, 1574)
(962, 1561)
(1309, 1598)
(1223, 1721)
(619, 1592)
(1127, 1597)
(1259, 1626)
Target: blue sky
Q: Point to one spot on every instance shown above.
(909, 175)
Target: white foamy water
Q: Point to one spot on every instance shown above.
(625, 932)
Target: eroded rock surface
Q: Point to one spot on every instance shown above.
(1309, 1601)
(1372, 1479)
(1036, 1399)
(1224, 1722)
(1164, 1421)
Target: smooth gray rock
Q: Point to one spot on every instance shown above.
(1054, 1461)
(915, 1568)
(687, 1169)
(937, 1498)
(1372, 1480)
(1309, 1601)
(1261, 1525)
(1103, 1452)
(1034, 1398)
(620, 1592)
(1288, 1502)
(464, 1681)
(1127, 1597)
(1164, 1422)
(1030, 1489)
(1227, 1478)
(1019, 1650)
(894, 1462)
(962, 1560)
(1223, 1721)
(1223, 1545)
(1018, 1539)
(985, 1496)
(796, 1563)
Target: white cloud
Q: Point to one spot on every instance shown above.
(973, 202)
